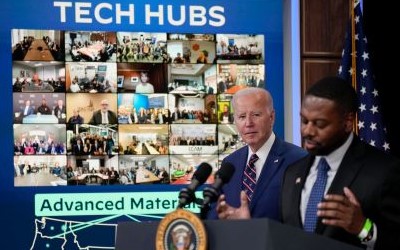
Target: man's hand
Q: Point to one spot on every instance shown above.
(226, 211)
(343, 211)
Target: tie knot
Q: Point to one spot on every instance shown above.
(253, 158)
(323, 165)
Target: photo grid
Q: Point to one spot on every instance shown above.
(126, 108)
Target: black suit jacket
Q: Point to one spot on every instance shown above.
(374, 178)
(96, 118)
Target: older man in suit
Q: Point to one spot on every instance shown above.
(27, 109)
(60, 111)
(104, 115)
(254, 118)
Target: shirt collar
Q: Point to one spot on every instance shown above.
(335, 158)
(263, 152)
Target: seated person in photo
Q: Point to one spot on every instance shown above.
(43, 108)
(144, 86)
(206, 118)
(101, 84)
(75, 54)
(179, 59)
(226, 116)
(113, 176)
(29, 149)
(189, 169)
(166, 58)
(203, 57)
(75, 88)
(104, 115)
(18, 53)
(186, 55)
(104, 86)
(28, 109)
(70, 174)
(207, 88)
(99, 151)
(124, 177)
(18, 149)
(17, 85)
(45, 87)
(124, 116)
(131, 149)
(37, 85)
(260, 83)
(78, 148)
(142, 116)
(60, 111)
(75, 118)
(57, 169)
(163, 176)
(42, 148)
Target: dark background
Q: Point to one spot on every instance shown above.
(380, 27)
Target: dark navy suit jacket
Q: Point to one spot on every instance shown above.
(374, 178)
(265, 201)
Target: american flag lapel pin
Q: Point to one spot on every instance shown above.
(298, 180)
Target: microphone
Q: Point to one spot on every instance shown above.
(186, 195)
(223, 175)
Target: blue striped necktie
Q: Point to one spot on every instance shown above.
(249, 177)
(317, 192)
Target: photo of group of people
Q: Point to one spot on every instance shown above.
(126, 108)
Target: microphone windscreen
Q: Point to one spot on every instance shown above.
(202, 172)
(225, 172)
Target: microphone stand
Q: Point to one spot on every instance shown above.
(191, 197)
(210, 195)
(204, 209)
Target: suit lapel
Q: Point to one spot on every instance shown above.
(347, 172)
(237, 178)
(271, 167)
(299, 181)
(348, 169)
(268, 172)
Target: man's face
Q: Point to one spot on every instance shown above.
(254, 120)
(104, 106)
(144, 78)
(323, 127)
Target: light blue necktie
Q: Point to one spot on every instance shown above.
(249, 177)
(317, 192)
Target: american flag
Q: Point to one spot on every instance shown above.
(369, 117)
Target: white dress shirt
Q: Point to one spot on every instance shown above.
(104, 117)
(334, 160)
(262, 154)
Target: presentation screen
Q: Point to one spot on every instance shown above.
(110, 107)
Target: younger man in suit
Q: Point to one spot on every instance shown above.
(361, 203)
